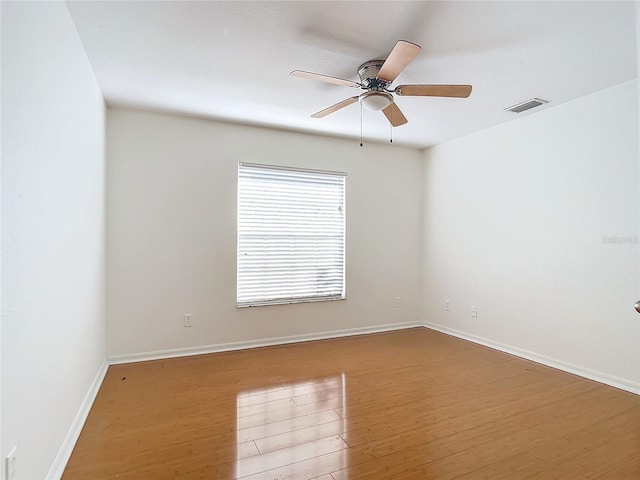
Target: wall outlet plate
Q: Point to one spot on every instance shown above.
(474, 312)
(447, 305)
(187, 320)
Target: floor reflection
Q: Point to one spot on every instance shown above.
(292, 430)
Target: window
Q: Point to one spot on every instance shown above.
(291, 235)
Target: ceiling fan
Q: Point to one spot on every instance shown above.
(376, 77)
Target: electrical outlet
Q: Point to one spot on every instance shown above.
(397, 302)
(187, 320)
(447, 305)
(10, 464)
(474, 312)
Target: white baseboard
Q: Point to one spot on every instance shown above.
(224, 347)
(611, 380)
(60, 462)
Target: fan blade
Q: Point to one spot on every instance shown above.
(324, 78)
(460, 91)
(333, 108)
(394, 115)
(397, 60)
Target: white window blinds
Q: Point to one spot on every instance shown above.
(291, 235)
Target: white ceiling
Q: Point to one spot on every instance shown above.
(231, 60)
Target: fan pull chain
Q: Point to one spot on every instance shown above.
(360, 123)
(390, 133)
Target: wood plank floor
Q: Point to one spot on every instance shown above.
(409, 404)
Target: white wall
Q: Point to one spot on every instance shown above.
(171, 233)
(519, 220)
(53, 279)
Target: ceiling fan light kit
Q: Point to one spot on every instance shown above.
(376, 77)
(376, 101)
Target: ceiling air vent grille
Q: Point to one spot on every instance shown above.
(528, 105)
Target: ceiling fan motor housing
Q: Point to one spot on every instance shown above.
(368, 73)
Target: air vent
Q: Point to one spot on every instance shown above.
(528, 105)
